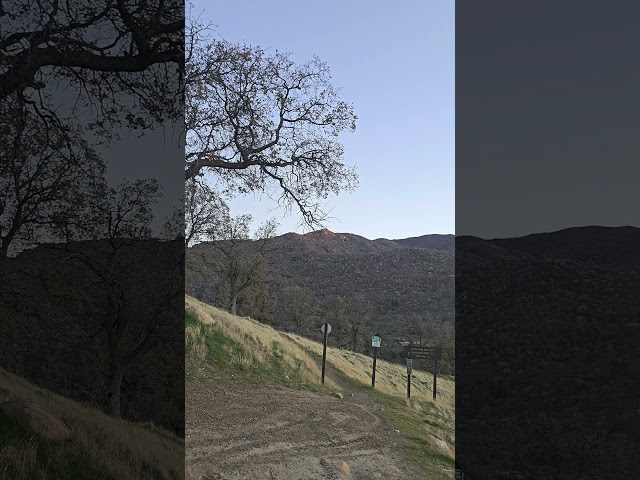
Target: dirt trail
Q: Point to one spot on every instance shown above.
(254, 432)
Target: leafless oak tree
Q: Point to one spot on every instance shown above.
(103, 50)
(204, 212)
(299, 305)
(45, 172)
(242, 262)
(260, 122)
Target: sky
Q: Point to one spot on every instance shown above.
(153, 155)
(547, 121)
(396, 66)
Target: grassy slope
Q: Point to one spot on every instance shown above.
(100, 448)
(244, 347)
(256, 352)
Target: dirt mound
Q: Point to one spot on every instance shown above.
(38, 418)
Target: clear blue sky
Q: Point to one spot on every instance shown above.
(395, 63)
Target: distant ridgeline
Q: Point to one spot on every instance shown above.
(401, 289)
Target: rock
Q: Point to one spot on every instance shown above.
(344, 469)
(439, 444)
(201, 315)
(338, 395)
(38, 418)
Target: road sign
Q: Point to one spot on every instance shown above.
(375, 343)
(409, 365)
(423, 352)
(328, 328)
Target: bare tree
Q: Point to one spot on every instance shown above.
(259, 302)
(360, 310)
(337, 315)
(46, 170)
(118, 212)
(133, 307)
(121, 218)
(242, 262)
(299, 305)
(260, 122)
(204, 212)
(103, 49)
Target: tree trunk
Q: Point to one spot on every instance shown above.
(234, 304)
(114, 385)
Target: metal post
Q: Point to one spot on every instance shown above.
(435, 377)
(408, 385)
(373, 375)
(324, 350)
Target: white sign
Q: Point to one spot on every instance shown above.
(375, 341)
(328, 328)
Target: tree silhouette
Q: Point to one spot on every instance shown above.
(260, 122)
(46, 170)
(104, 50)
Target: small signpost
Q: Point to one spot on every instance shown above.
(325, 329)
(409, 365)
(423, 352)
(375, 343)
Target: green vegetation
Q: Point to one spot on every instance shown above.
(248, 348)
(416, 420)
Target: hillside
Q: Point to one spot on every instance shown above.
(407, 285)
(261, 389)
(547, 329)
(99, 447)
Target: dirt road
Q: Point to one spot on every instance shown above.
(254, 432)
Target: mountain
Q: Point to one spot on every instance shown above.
(445, 243)
(604, 245)
(408, 284)
(547, 328)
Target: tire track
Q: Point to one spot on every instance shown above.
(266, 431)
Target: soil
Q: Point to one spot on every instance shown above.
(254, 432)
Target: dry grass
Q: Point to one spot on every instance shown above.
(391, 378)
(259, 343)
(112, 448)
(418, 416)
